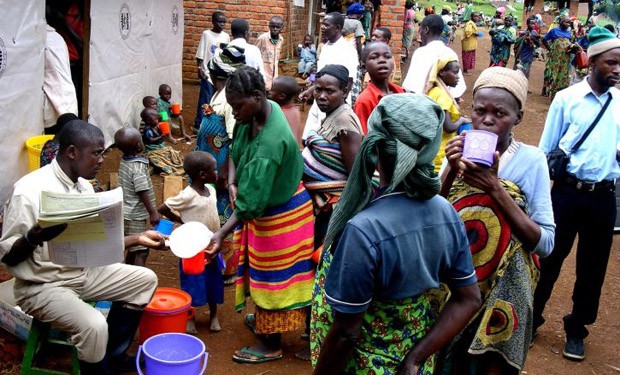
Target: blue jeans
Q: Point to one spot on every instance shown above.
(206, 92)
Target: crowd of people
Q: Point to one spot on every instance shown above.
(368, 225)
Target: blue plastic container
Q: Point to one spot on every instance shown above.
(164, 227)
(173, 353)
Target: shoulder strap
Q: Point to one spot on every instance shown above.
(587, 133)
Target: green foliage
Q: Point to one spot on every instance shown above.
(610, 8)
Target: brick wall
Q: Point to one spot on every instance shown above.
(257, 12)
(392, 14)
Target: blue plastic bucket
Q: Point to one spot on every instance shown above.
(173, 353)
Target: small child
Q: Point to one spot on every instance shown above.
(197, 202)
(164, 105)
(307, 57)
(138, 193)
(312, 77)
(444, 74)
(378, 61)
(284, 89)
(152, 137)
(164, 158)
(147, 102)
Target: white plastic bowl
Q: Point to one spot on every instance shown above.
(189, 239)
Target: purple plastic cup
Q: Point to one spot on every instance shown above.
(479, 147)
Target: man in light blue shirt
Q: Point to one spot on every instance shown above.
(584, 201)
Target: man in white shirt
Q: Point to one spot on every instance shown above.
(54, 293)
(338, 51)
(240, 30)
(209, 42)
(60, 96)
(425, 57)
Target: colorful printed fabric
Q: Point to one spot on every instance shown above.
(408, 37)
(279, 321)
(275, 250)
(501, 40)
(167, 159)
(507, 276)
(48, 152)
(325, 174)
(213, 138)
(389, 331)
(446, 34)
(557, 68)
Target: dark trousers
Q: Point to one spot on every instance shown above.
(591, 215)
(206, 92)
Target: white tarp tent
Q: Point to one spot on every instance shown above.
(22, 42)
(135, 45)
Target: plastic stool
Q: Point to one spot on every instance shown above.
(38, 336)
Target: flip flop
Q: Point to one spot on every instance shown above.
(250, 322)
(259, 357)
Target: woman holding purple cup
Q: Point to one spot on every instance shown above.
(506, 208)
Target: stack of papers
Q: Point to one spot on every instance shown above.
(94, 236)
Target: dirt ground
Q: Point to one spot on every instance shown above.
(544, 358)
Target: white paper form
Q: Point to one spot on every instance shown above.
(94, 236)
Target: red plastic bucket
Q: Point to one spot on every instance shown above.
(167, 312)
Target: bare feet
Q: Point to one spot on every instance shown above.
(303, 354)
(215, 324)
(191, 327)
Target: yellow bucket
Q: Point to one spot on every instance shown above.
(34, 146)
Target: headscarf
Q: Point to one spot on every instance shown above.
(433, 77)
(340, 72)
(406, 127)
(429, 10)
(439, 65)
(226, 61)
(513, 81)
(355, 8)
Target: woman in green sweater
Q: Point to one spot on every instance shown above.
(273, 216)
